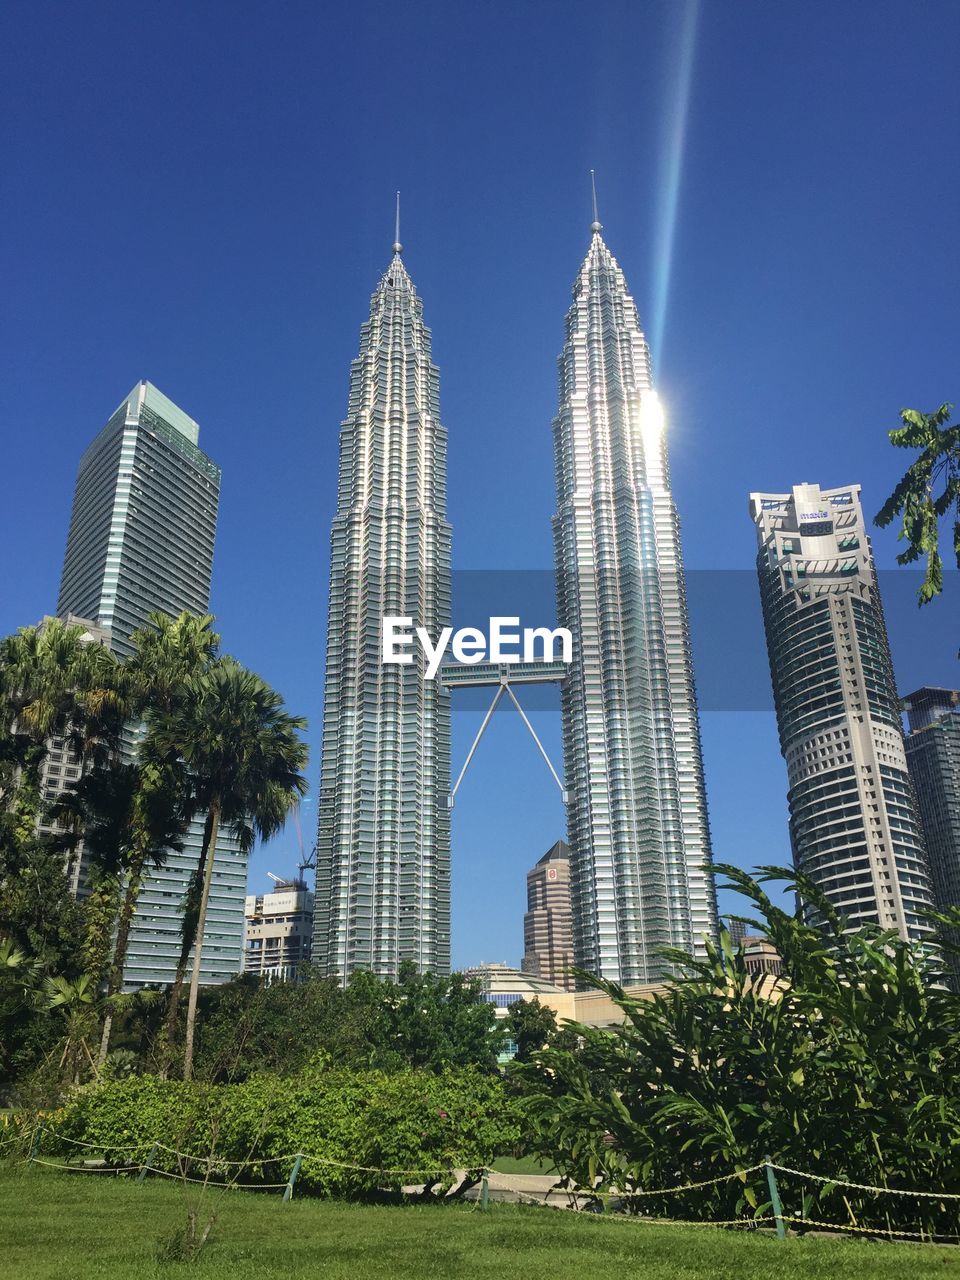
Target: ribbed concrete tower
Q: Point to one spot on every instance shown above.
(637, 815)
(383, 851)
(854, 825)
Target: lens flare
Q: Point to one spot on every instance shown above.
(671, 171)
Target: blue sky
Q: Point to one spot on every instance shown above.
(202, 195)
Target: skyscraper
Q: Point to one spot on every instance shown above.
(853, 819)
(143, 521)
(637, 815)
(548, 922)
(933, 758)
(383, 844)
(141, 539)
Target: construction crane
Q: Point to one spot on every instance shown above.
(308, 861)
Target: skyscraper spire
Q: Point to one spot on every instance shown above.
(397, 246)
(596, 225)
(637, 818)
(383, 840)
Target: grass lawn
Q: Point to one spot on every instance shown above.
(75, 1226)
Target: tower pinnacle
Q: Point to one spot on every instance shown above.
(596, 225)
(397, 246)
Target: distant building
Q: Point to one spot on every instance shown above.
(933, 756)
(141, 539)
(854, 825)
(278, 932)
(737, 930)
(502, 985)
(548, 923)
(760, 955)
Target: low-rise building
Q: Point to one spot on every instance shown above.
(760, 955)
(278, 930)
(502, 985)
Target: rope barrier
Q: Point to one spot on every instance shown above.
(660, 1191)
(861, 1186)
(97, 1146)
(871, 1231)
(214, 1163)
(650, 1222)
(573, 1194)
(205, 1182)
(362, 1168)
(75, 1168)
(241, 1164)
(676, 1222)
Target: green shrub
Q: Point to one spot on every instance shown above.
(846, 1067)
(361, 1131)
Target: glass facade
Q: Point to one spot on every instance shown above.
(141, 538)
(933, 757)
(383, 842)
(853, 821)
(637, 817)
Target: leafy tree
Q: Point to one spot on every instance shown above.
(916, 496)
(245, 760)
(18, 977)
(37, 912)
(420, 1021)
(531, 1026)
(437, 1022)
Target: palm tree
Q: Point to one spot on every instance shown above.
(245, 761)
(18, 978)
(131, 815)
(76, 1000)
(168, 652)
(914, 496)
(50, 677)
(53, 682)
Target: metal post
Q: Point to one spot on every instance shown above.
(145, 1169)
(294, 1173)
(775, 1198)
(36, 1141)
(484, 1193)
(523, 717)
(476, 742)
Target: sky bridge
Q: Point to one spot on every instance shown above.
(502, 676)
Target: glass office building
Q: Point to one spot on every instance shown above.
(637, 816)
(141, 539)
(854, 826)
(383, 842)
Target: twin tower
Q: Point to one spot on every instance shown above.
(636, 814)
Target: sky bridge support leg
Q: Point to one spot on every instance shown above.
(486, 720)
